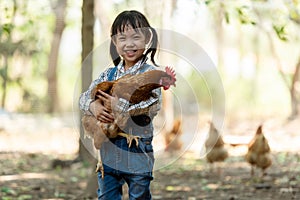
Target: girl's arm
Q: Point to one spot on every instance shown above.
(85, 98)
(151, 106)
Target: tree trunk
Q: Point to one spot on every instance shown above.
(167, 95)
(219, 15)
(59, 10)
(291, 88)
(6, 56)
(101, 13)
(254, 86)
(5, 78)
(293, 92)
(87, 41)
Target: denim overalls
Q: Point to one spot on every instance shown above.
(132, 165)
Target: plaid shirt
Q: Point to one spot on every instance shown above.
(151, 106)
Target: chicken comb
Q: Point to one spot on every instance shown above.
(171, 72)
(259, 130)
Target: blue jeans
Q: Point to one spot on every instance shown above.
(122, 164)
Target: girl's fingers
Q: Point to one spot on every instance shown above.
(106, 102)
(103, 94)
(105, 119)
(107, 115)
(101, 97)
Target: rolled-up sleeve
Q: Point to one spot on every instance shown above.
(149, 107)
(85, 98)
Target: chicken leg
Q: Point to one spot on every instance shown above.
(130, 138)
(99, 166)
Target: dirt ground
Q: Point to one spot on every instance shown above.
(26, 171)
(30, 176)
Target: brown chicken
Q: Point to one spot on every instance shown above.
(172, 138)
(258, 154)
(214, 145)
(133, 88)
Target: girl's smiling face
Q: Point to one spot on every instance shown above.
(130, 45)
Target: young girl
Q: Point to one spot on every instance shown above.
(130, 34)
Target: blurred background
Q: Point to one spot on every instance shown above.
(253, 45)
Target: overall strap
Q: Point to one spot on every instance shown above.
(111, 73)
(144, 67)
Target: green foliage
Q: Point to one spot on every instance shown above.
(24, 34)
(6, 29)
(243, 15)
(207, 2)
(230, 11)
(227, 19)
(281, 32)
(294, 11)
(8, 190)
(274, 20)
(295, 16)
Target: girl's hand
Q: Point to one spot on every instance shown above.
(101, 112)
(107, 100)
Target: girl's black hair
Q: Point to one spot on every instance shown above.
(136, 20)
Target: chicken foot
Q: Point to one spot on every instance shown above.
(99, 166)
(130, 138)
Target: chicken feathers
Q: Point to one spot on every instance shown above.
(214, 145)
(172, 137)
(258, 154)
(133, 88)
(139, 87)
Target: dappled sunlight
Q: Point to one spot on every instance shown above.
(248, 77)
(59, 135)
(59, 142)
(38, 133)
(183, 173)
(23, 176)
(178, 188)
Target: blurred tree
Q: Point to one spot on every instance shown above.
(219, 13)
(102, 14)
(294, 16)
(23, 54)
(166, 13)
(59, 9)
(167, 106)
(291, 16)
(7, 48)
(17, 45)
(87, 40)
(257, 13)
(87, 43)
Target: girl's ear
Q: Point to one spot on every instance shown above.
(113, 39)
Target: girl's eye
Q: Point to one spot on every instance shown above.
(136, 37)
(121, 38)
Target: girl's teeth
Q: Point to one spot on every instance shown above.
(130, 51)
